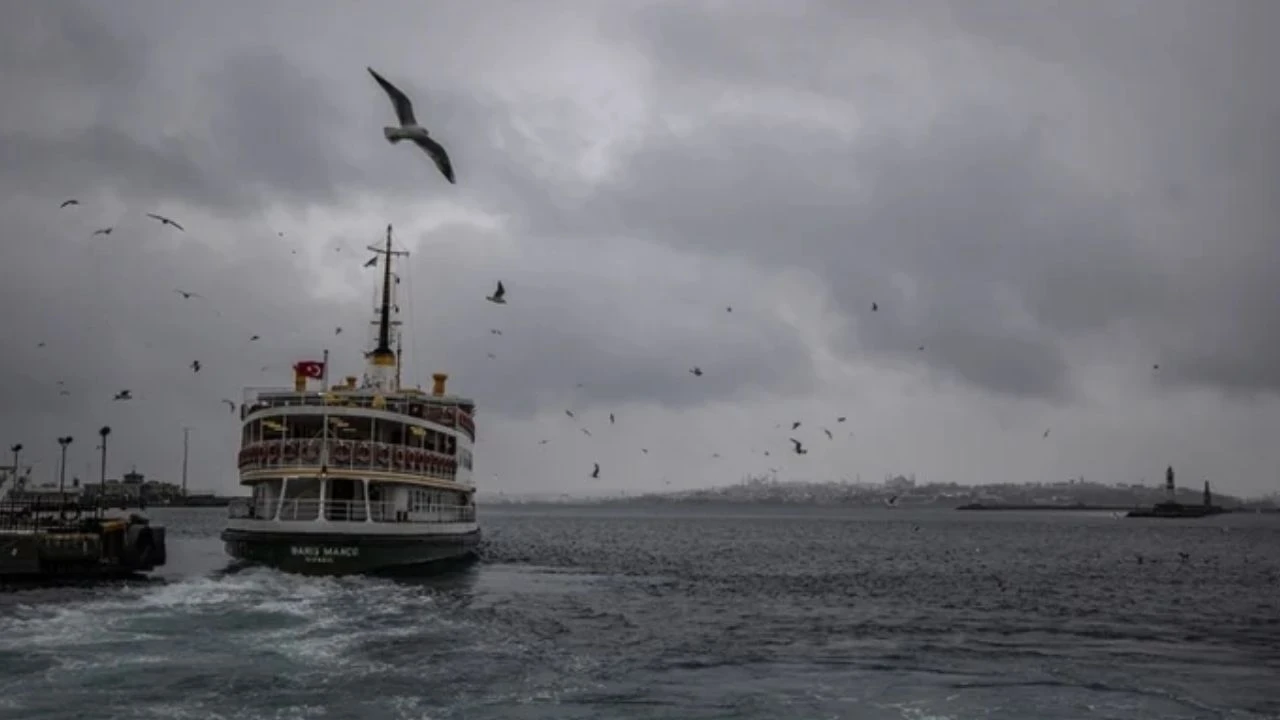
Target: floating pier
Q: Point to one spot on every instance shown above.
(50, 541)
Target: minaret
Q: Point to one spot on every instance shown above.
(382, 359)
(1208, 497)
(1169, 491)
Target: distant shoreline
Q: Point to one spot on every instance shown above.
(1075, 506)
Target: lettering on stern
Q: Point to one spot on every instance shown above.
(323, 553)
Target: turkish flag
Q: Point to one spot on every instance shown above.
(309, 368)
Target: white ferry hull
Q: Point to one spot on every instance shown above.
(322, 553)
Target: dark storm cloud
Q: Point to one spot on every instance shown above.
(576, 343)
(1011, 257)
(268, 133)
(972, 214)
(97, 158)
(1003, 228)
(274, 132)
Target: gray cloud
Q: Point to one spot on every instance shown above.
(1039, 197)
(1012, 256)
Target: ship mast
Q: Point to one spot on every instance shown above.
(383, 359)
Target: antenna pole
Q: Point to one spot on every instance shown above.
(186, 433)
(383, 356)
(399, 355)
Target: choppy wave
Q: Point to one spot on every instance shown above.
(596, 614)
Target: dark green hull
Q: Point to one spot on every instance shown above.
(336, 554)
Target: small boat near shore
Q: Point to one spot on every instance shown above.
(356, 477)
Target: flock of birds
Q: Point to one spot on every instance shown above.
(410, 129)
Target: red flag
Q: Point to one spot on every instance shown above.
(309, 368)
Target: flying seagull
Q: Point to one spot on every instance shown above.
(231, 404)
(165, 221)
(187, 295)
(610, 418)
(828, 432)
(495, 332)
(595, 472)
(124, 395)
(875, 307)
(795, 425)
(410, 129)
(372, 262)
(103, 231)
(799, 448)
(499, 296)
(195, 366)
(68, 203)
(697, 371)
(569, 413)
(841, 419)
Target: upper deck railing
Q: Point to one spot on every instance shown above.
(347, 455)
(449, 415)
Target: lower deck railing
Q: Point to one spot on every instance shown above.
(312, 509)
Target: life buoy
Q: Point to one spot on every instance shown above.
(384, 456)
(399, 457)
(342, 453)
(362, 453)
(290, 451)
(311, 451)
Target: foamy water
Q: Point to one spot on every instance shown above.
(672, 614)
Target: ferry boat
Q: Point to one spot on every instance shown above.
(355, 477)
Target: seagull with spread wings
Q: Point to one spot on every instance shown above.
(410, 129)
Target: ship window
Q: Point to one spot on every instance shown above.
(389, 431)
(304, 427)
(351, 428)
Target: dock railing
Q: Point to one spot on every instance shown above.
(39, 514)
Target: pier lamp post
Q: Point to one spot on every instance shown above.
(16, 450)
(62, 468)
(103, 432)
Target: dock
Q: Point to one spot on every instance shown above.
(50, 541)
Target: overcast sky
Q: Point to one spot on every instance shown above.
(1049, 198)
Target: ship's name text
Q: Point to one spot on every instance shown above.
(323, 554)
